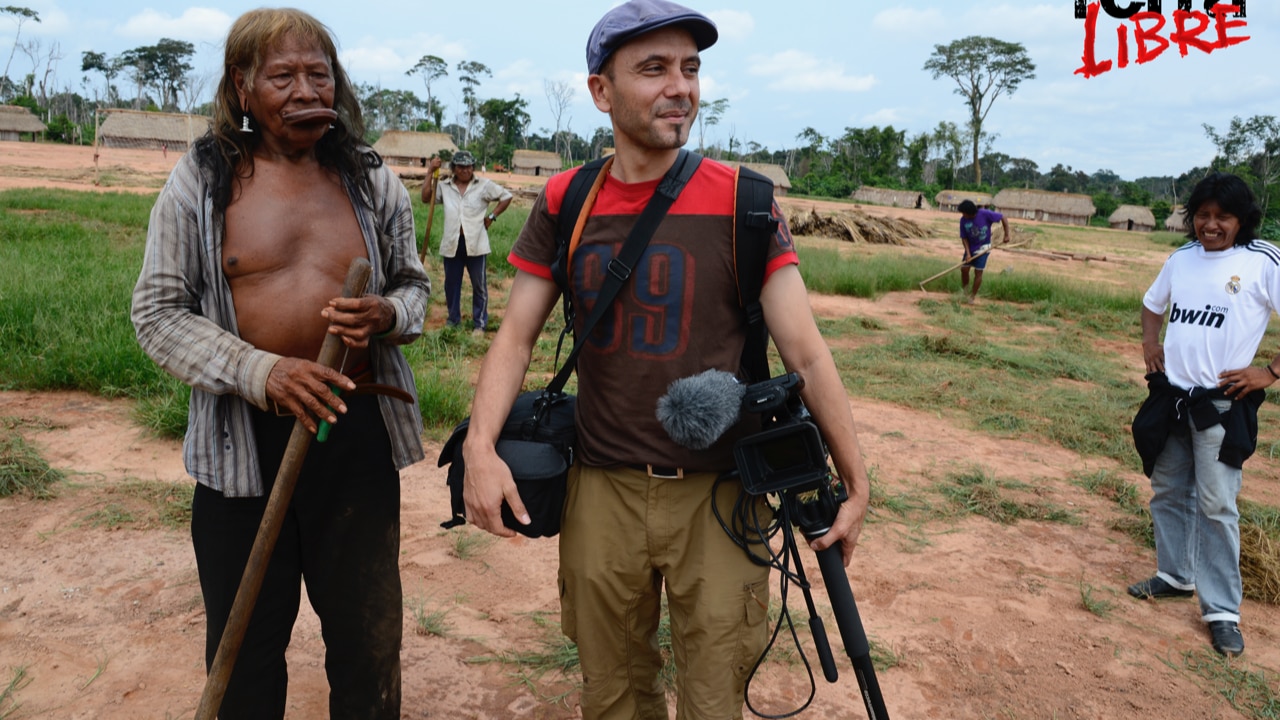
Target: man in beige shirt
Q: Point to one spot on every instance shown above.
(465, 241)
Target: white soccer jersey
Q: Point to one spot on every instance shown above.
(1219, 305)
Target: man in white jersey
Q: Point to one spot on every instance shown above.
(1200, 422)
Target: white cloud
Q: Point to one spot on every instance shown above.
(194, 24)
(733, 24)
(883, 116)
(797, 71)
(901, 19)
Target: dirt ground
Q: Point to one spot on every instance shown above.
(985, 620)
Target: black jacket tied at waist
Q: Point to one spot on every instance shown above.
(1167, 404)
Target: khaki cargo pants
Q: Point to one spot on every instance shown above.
(624, 535)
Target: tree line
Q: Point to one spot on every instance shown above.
(161, 77)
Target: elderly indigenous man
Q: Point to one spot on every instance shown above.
(246, 254)
(639, 510)
(465, 241)
(1200, 422)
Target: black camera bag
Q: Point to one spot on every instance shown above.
(536, 442)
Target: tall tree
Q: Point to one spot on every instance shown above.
(1251, 148)
(469, 72)
(90, 60)
(559, 96)
(431, 68)
(709, 114)
(504, 122)
(983, 69)
(20, 16)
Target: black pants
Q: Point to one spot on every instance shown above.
(341, 536)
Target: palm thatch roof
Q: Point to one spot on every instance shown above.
(536, 162)
(405, 146)
(1176, 220)
(889, 196)
(18, 119)
(1139, 215)
(1044, 201)
(769, 170)
(138, 126)
(951, 199)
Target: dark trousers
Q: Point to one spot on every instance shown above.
(475, 267)
(341, 535)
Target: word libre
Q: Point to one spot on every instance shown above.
(1216, 28)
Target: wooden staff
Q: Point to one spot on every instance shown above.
(431, 215)
(264, 543)
(971, 259)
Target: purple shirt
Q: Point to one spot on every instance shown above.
(977, 232)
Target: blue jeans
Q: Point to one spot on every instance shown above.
(1197, 524)
(475, 267)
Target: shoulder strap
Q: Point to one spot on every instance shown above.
(619, 269)
(571, 207)
(753, 227)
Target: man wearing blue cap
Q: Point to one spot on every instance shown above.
(639, 514)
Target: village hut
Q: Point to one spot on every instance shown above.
(781, 183)
(536, 162)
(1045, 206)
(151, 130)
(15, 120)
(405, 147)
(893, 198)
(949, 200)
(1132, 217)
(1175, 221)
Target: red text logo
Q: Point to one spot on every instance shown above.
(1218, 27)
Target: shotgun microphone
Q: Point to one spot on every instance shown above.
(698, 409)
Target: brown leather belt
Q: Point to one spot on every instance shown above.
(657, 471)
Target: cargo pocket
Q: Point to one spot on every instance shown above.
(568, 614)
(754, 633)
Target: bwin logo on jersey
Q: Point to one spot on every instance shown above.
(1209, 317)
(1233, 287)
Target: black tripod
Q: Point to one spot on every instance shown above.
(813, 509)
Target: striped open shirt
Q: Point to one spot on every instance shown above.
(185, 320)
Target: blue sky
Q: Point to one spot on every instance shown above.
(783, 66)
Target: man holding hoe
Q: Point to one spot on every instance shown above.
(975, 237)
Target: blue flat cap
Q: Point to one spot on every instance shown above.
(637, 17)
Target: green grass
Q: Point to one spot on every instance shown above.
(141, 505)
(18, 679)
(1252, 692)
(1135, 518)
(1094, 604)
(468, 545)
(977, 493)
(432, 622)
(23, 471)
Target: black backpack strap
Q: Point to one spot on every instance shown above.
(753, 228)
(619, 269)
(570, 208)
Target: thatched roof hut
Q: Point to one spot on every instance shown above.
(1132, 217)
(1046, 206)
(15, 120)
(405, 147)
(151, 130)
(536, 162)
(781, 183)
(1176, 220)
(894, 198)
(949, 200)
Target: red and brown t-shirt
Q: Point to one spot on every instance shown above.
(677, 316)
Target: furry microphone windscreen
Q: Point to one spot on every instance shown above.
(697, 410)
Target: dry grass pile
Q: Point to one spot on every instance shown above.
(857, 227)
(1259, 564)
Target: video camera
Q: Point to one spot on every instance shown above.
(788, 456)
